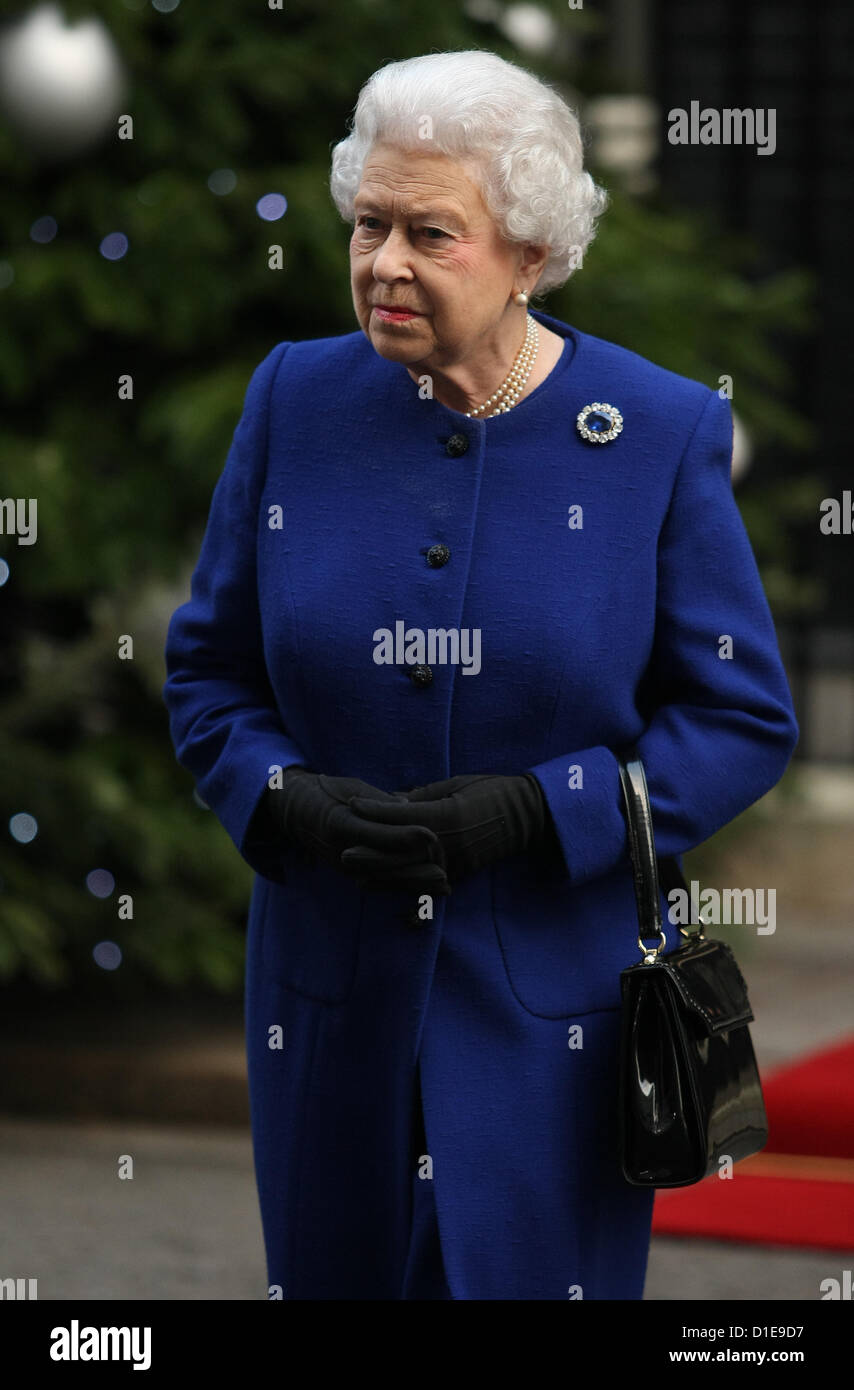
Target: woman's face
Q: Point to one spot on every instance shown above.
(423, 239)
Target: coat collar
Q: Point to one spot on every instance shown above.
(446, 418)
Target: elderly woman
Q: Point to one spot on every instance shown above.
(456, 562)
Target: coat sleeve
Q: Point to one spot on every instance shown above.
(721, 731)
(223, 718)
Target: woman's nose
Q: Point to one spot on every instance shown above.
(391, 261)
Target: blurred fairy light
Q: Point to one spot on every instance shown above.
(23, 828)
(100, 883)
(107, 954)
(222, 181)
(625, 138)
(43, 230)
(165, 6)
(114, 246)
(4, 572)
(271, 207)
(61, 85)
(529, 27)
(483, 11)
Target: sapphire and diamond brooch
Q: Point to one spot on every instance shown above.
(599, 423)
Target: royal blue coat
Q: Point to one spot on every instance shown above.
(604, 580)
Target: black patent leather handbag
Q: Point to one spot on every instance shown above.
(689, 1089)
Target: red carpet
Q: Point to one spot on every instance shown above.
(800, 1189)
(810, 1104)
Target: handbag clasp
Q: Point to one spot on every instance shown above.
(650, 953)
(698, 935)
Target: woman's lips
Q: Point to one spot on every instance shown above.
(395, 315)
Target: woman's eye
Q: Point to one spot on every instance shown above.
(365, 218)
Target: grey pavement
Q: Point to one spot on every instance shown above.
(717, 1269)
(185, 1226)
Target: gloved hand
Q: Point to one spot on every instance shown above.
(312, 810)
(478, 820)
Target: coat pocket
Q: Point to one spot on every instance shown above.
(563, 946)
(311, 931)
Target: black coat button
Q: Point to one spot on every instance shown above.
(456, 445)
(420, 675)
(438, 555)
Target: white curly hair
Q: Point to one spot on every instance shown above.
(524, 137)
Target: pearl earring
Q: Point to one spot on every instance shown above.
(521, 298)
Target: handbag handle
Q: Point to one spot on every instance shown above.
(645, 863)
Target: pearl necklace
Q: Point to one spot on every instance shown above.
(512, 387)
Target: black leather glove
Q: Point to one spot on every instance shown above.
(311, 810)
(478, 820)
